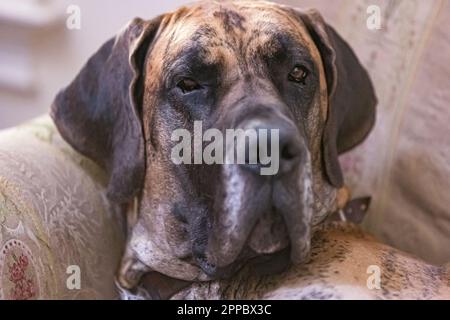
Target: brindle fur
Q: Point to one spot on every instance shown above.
(341, 256)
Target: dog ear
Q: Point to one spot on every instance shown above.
(351, 96)
(98, 114)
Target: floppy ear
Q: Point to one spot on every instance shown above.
(351, 96)
(98, 114)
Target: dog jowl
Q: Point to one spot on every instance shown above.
(246, 65)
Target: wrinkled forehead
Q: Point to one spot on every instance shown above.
(216, 30)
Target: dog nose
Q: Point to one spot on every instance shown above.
(278, 143)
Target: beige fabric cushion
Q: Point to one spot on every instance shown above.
(53, 215)
(405, 163)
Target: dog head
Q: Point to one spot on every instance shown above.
(226, 65)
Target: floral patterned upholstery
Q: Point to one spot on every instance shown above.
(53, 216)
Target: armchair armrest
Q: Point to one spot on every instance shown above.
(60, 238)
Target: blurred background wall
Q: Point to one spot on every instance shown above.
(39, 54)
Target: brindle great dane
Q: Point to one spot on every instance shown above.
(231, 65)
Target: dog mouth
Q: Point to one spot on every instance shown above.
(267, 249)
(262, 264)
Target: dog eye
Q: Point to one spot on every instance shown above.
(298, 74)
(188, 85)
